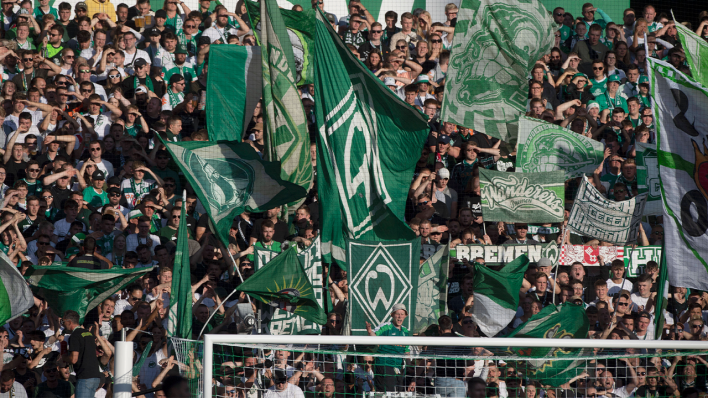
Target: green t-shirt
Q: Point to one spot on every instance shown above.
(95, 199)
(598, 87)
(167, 234)
(106, 244)
(33, 188)
(606, 102)
(387, 329)
(187, 71)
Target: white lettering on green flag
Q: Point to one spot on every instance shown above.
(500, 255)
(595, 216)
(496, 44)
(523, 197)
(648, 178)
(431, 300)
(548, 147)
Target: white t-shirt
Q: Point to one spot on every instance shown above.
(17, 391)
(292, 391)
(61, 228)
(639, 301)
(215, 33)
(105, 166)
(613, 288)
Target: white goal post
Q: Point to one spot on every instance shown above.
(237, 339)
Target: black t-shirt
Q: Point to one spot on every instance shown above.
(60, 195)
(281, 230)
(15, 171)
(129, 86)
(20, 80)
(87, 262)
(83, 342)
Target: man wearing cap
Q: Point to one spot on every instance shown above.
(220, 32)
(423, 86)
(389, 372)
(442, 155)
(53, 384)
(281, 388)
(101, 7)
(612, 98)
(114, 196)
(181, 67)
(175, 93)
(132, 54)
(390, 82)
(94, 195)
(443, 192)
(141, 79)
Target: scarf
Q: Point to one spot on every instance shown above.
(176, 22)
(191, 44)
(175, 98)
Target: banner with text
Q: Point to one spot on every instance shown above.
(595, 216)
(498, 255)
(523, 197)
(635, 259)
(648, 178)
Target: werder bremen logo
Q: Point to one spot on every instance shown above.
(550, 149)
(381, 283)
(226, 182)
(512, 194)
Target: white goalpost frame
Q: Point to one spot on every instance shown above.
(211, 339)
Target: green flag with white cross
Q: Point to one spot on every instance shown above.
(496, 44)
(368, 143)
(696, 49)
(230, 177)
(286, 136)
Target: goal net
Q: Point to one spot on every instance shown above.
(348, 366)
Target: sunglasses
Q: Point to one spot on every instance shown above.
(559, 14)
(113, 76)
(85, 70)
(467, 322)
(33, 170)
(620, 190)
(697, 326)
(401, 47)
(52, 370)
(83, 90)
(95, 149)
(600, 68)
(425, 202)
(68, 55)
(642, 373)
(169, 185)
(42, 243)
(114, 195)
(28, 59)
(436, 41)
(190, 26)
(377, 31)
(623, 304)
(436, 233)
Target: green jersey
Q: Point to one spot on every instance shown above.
(95, 199)
(606, 102)
(387, 329)
(598, 86)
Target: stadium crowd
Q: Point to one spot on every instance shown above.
(85, 182)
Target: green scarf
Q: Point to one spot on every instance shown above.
(175, 99)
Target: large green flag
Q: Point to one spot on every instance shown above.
(496, 44)
(662, 297)
(180, 310)
(79, 289)
(648, 178)
(548, 147)
(381, 275)
(283, 284)
(301, 30)
(523, 197)
(233, 90)
(15, 296)
(431, 300)
(368, 143)
(565, 321)
(696, 50)
(496, 295)
(286, 136)
(230, 177)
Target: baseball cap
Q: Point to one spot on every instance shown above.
(134, 214)
(544, 262)
(114, 190)
(389, 81)
(258, 126)
(444, 139)
(140, 62)
(422, 79)
(583, 75)
(181, 49)
(78, 238)
(141, 89)
(98, 175)
(444, 173)
(154, 31)
(23, 11)
(114, 180)
(161, 14)
(399, 306)
(643, 79)
(331, 18)
(614, 78)
(279, 376)
(81, 4)
(176, 78)
(574, 298)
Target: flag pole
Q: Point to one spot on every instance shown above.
(555, 281)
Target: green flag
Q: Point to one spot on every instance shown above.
(230, 177)
(180, 310)
(283, 284)
(431, 300)
(496, 295)
(15, 296)
(548, 147)
(138, 365)
(79, 289)
(381, 275)
(523, 197)
(565, 321)
(696, 50)
(368, 143)
(648, 178)
(233, 90)
(301, 30)
(662, 297)
(495, 46)
(286, 136)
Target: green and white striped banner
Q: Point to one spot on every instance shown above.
(15, 295)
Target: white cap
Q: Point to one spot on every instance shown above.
(389, 81)
(422, 79)
(444, 173)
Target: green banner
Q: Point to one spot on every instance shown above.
(286, 136)
(233, 90)
(495, 46)
(548, 147)
(648, 178)
(431, 300)
(523, 197)
(230, 177)
(380, 276)
(596, 216)
(500, 255)
(179, 322)
(301, 30)
(368, 143)
(15, 297)
(696, 50)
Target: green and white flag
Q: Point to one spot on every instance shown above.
(286, 137)
(283, 284)
(596, 216)
(548, 147)
(681, 123)
(179, 321)
(662, 297)
(233, 90)
(285, 322)
(496, 295)
(230, 177)
(431, 300)
(648, 178)
(301, 30)
(382, 275)
(368, 143)
(696, 50)
(496, 44)
(523, 197)
(555, 366)
(15, 295)
(79, 289)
